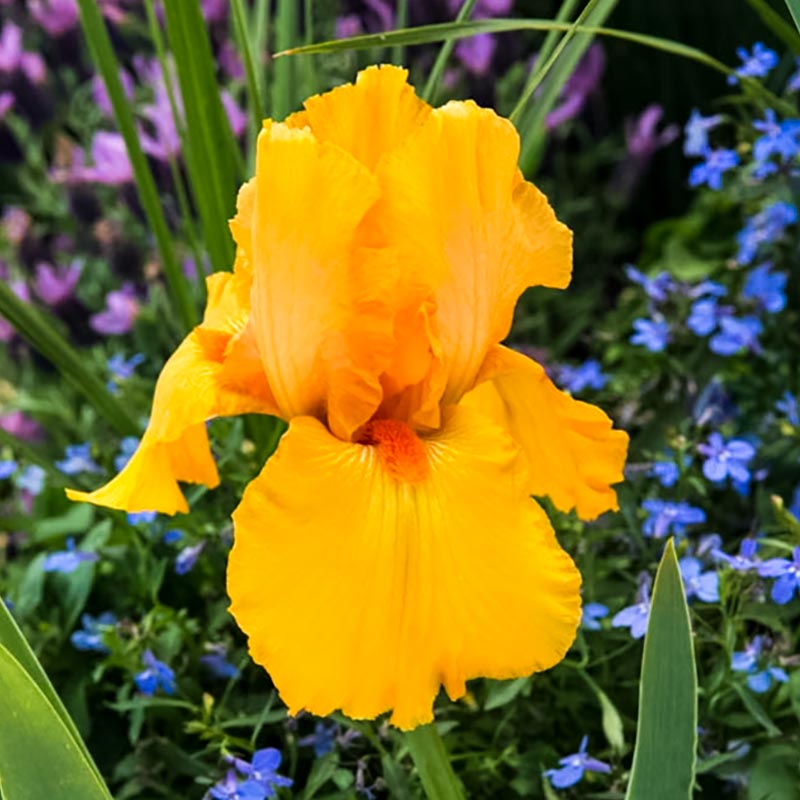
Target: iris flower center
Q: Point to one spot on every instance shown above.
(400, 449)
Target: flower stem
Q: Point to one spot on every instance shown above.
(433, 765)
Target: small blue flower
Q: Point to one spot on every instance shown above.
(658, 289)
(574, 766)
(218, 665)
(31, 480)
(172, 536)
(652, 334)
(726, 459)
(756, 64)
(156, 675)
(702, 585)
(707, 288)
(767, 288)
(78, 459)
(787, 573)
(592, 614)
(667, 472)
(635, 617)
(778, 138)
(766, 227)
(66, 561)
(665, 517)
(696, 132)
(736, 335)
(709, 172)
(793, 84)
(142, 517)
(122, 369)
(576, 379)
(747, 661)
(91, 636)
(127, 447)
(705, 315)
(745, 561)
(789, 407)
(187, 558)
(231, 788)
(7, 469)
(323, 740)
(263, 770)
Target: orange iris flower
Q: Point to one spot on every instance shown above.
(391, 544)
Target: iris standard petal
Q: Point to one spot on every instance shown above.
(419, 562)
(214, 372)
(465, 223)
(574, 454)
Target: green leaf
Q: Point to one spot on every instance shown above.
(246, 54)
(99, 43)
(433, 764)
(435, 78)
(775, 775)
(38, 331)
(777, 24)
(213, 159)
(794, 10)
(756, 710)
(501, 693)
(611, 720)
(666, 738)
(284, 73)
(17, 649)
(76, 519)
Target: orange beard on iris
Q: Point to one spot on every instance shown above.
(390, 546)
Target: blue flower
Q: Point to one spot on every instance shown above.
(31, 480)
(652, 334)
(702, 585)
(574, 766)
(91, 636)
(122, 369)
(736, 335)
(766, 227)
(323, 740)
(667, 472)
(666, 517)
(756, 64)
(768, 289)
(788, 406)
(704, 316)
(726, 459)
(778, 138)
(787, 573)
(78, 459)
(66, 561)
(793, 84)
(218, 665)
(658, 289)
(172, 536)
(709, 172)
(263, 770)
(707, 288)
(7, 469)
(745, 561)
(156, 675)
(127, 447)
(747, 661)
(635, 617)
(142, 517)
(230, 788)
(575, 379)
(187, 558)
(696, 132)
(592, 614)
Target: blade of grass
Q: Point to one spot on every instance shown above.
(246, 54)
(102, 52)
(444, 31)
(284, 77)
(564, 13)
(401, 21)
(435, 78)
(37, 330)
(666, 738)
(784, 30)
(212, 155)
(794, 10)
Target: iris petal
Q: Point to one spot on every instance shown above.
(382, 588)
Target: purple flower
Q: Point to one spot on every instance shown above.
(710, 172)
(14, 59)
(78, 459)
(66, 561)
(745, 561)
(476, 52)
(658, 289)
(747, 661)
(90, 637)
(736, 335)
(702, 585)
(323, 740)
(696, 132)
(787, 573)
(589, 374)
(574, 766)
(726, 459)
(156, 675)
(20, 425)
(217, 664)
(127, 447)
(652, 334)
(348, 26)
(642, 139)
(767, 288)
(665, 517)
(766, 227)
(55, 285)
(788, 406)
(236, 117)
(592, 614)
(755, 64)
(214, 10)
(100, 93)
(579, 86)
(160, 138)
(57, 17)
(187, 558)
(120, 312)
(7, 101)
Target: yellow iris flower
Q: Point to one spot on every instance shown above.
(391, 544)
